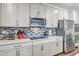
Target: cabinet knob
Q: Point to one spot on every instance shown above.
(19, 45)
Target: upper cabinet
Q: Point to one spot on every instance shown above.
(13, 14)
(65, 14)
(9, 14)
(23, 14)
(37, 10)
(0, 14)
(42, 10)
(60, 15)
(51, 17)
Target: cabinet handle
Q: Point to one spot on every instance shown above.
(57, 44)
(45, 21)
(15, 46)
(19, 45)
(17, 53)
(41, 48)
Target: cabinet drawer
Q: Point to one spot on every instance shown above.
(11, 52)
(26, 44)
(8, 46)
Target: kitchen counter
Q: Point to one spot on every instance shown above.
(5, 42)
(51, 37)
(16, 41)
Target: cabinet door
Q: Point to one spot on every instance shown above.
(37, 10)
(59, 45)
(23, 14)
(37, 50)
(65, 14)
(45, 49)
(11, 52)
(51, 17)
(53, 47)
(34, 9)
(9, 14)
(60, 15)
(55, 17)
(0, 14)
(42, 10)
(26, 51)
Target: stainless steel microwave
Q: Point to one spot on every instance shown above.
(38, 22)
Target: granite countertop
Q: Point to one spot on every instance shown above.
(4, 42)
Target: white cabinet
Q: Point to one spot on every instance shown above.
(37, 10)
(56, 45)
(59, 45)
(0, 14)
(9, 14)
(65, 14)
(41, 49)
(20, 49)
(26, 49)
(51, 17)
(53, 47)
(45, 51)
(42, 10)
(60, 15)
(11, 52)
(23, 14)
(37, 50)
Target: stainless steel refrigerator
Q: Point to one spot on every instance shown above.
(66, 29)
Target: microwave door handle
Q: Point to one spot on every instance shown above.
(45, 21)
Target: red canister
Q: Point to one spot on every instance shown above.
(20, 35)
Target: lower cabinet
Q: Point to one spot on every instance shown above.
(41, 49)
(56, 45)
(53, 47)
(37, 50)
(22, 49)
(46, 49)
(11, 52)
(59, 45)
(26, 50)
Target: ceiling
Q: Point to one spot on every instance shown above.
(67, 5)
